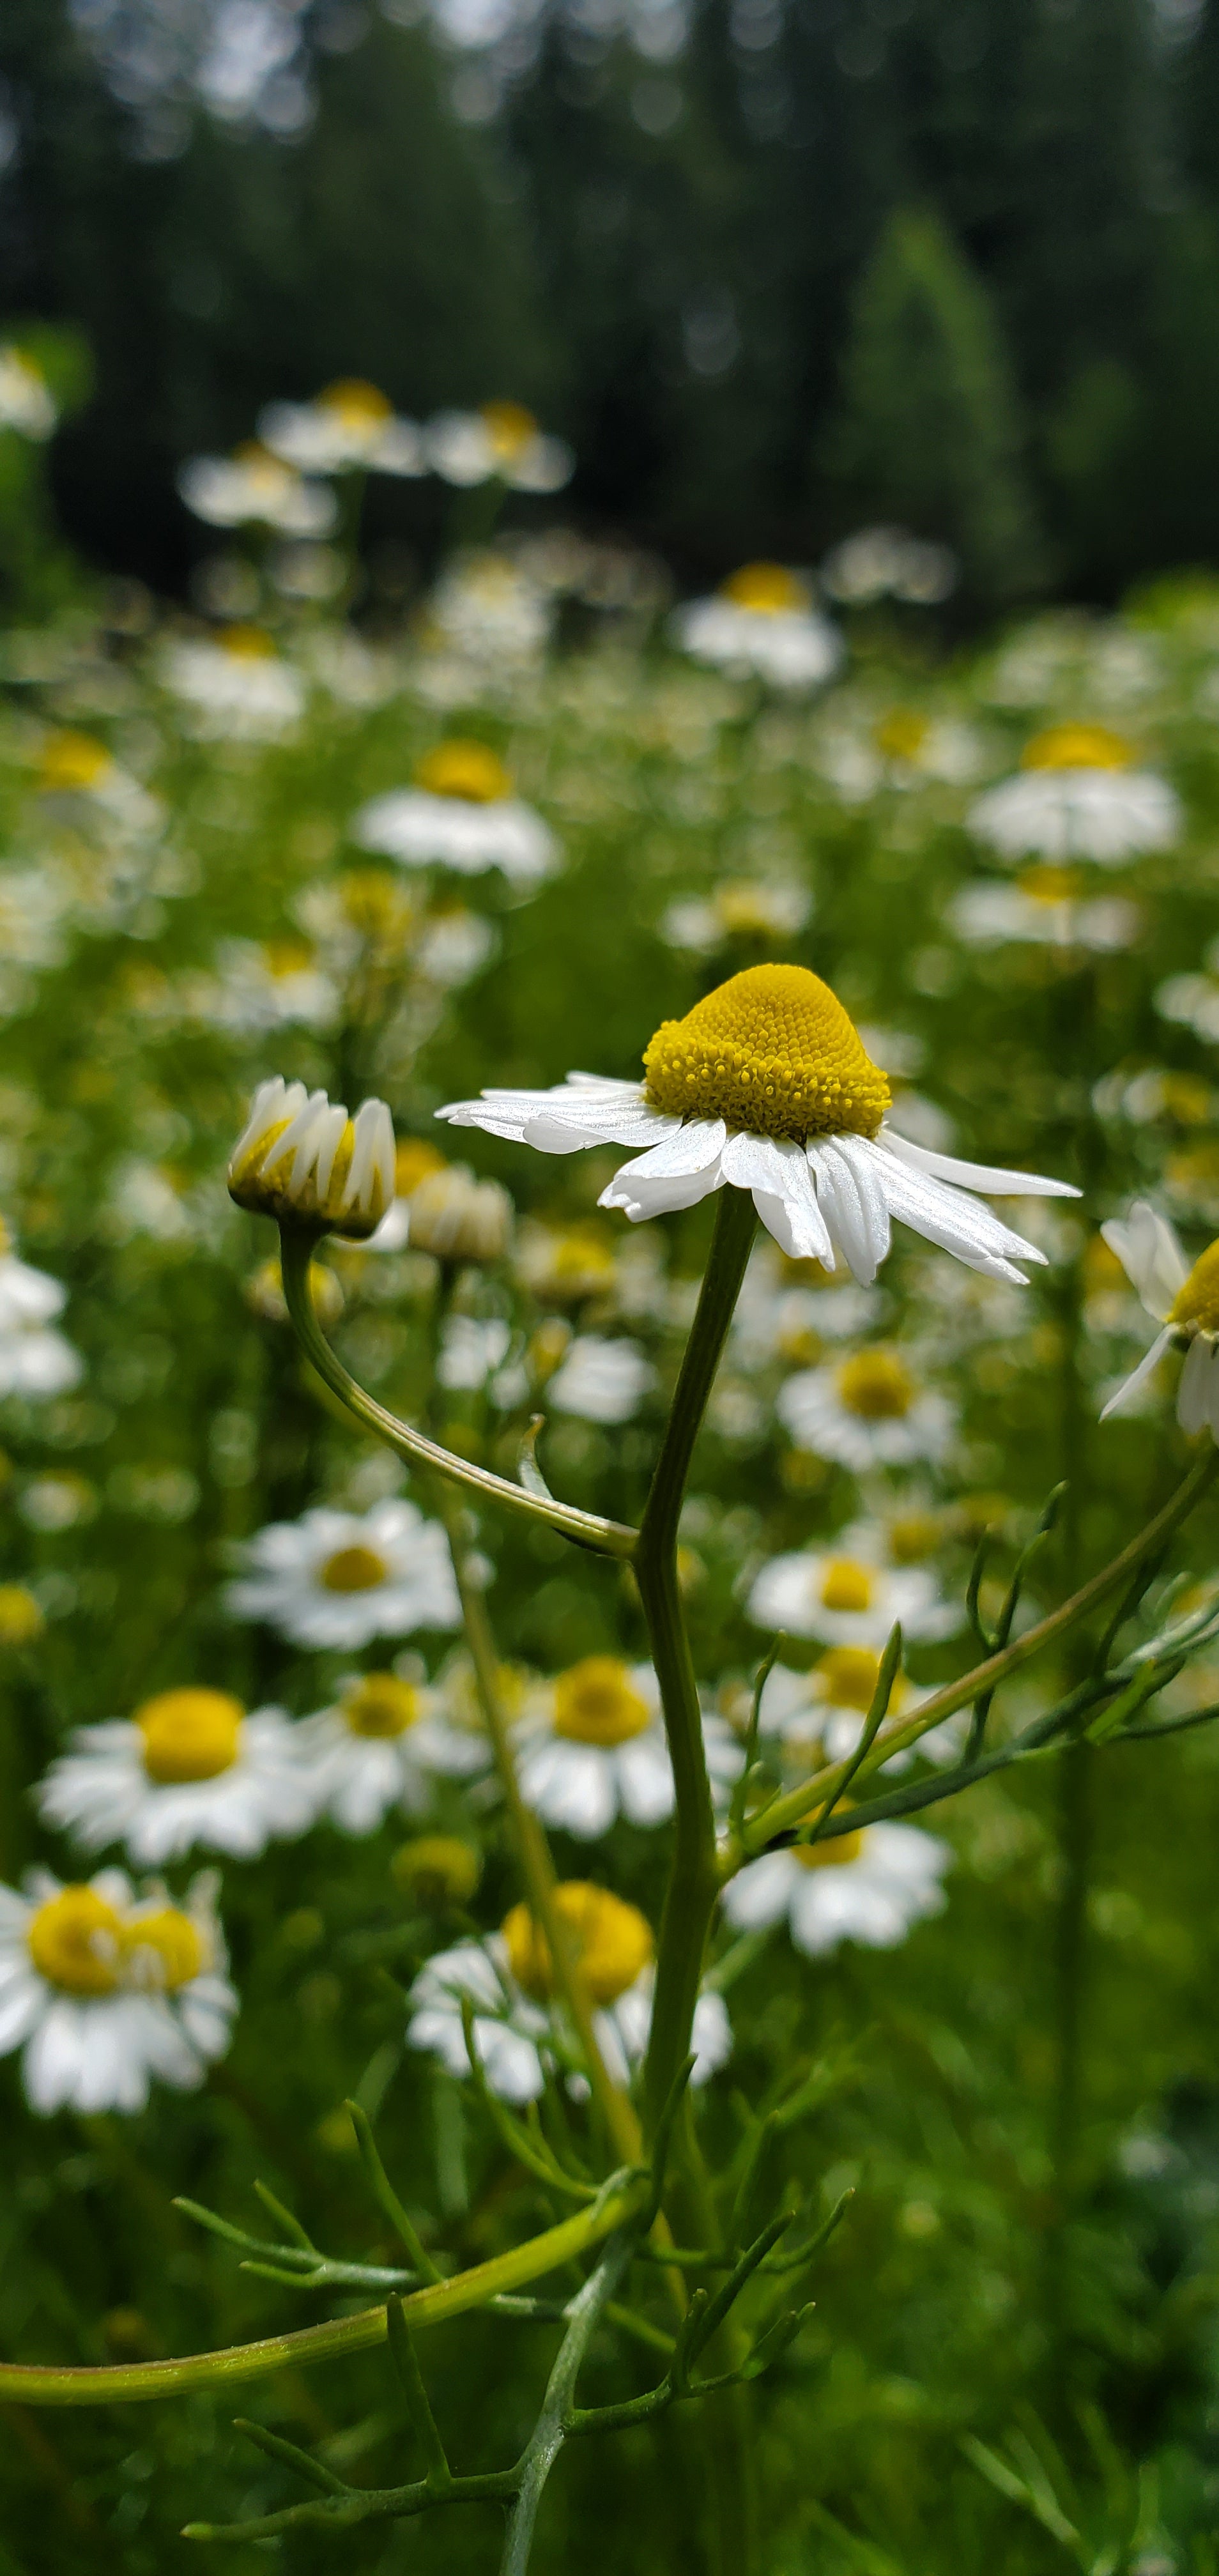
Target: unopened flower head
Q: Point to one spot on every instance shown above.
(459, 1218)
(1183, 1301)
(766, 1086)
(301, 1159)
(22, 1621)
(437, 1871)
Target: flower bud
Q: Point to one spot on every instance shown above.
(302, 1156)
(458, 1218)
(437, 1870)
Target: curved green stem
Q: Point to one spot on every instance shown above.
(588, 1529)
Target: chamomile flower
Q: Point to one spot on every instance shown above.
(819, 1715)
(237, 687)
(745, 911)
(350, 427)
(78, 775)
(301, 1157)
(761, 623)
(500, 442)
(899, 750)
(870, 1886)
(1047, 906)
(490, 618)
(265, 985)
(36, 1359)
(380, 1745)
(106, 1991)
(868, 1410)
(1183, 1301)
(509, 2031)
(847, 1596)
(765, 1087)
(26, 401)
(1078, 795)
(461, 813)
(889, 563)
(190, 1767)
(601, 1380)
(253, 487)
(591, 1747)
(339, 1579)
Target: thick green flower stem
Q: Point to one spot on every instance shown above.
(693, 1883)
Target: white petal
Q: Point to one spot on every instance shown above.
(691, 1147)
(996, 1182)
(957, 1223)
(659, 1197)
(1193, 1393)
(854, 1172)
(761, 1893)
(1147, 1247)
(1138, 1377)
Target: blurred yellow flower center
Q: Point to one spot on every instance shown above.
(21, 1620)
(746, 911)
(769, 589)
(612, 1941)
(876, 1385)
(467, 770)
(75, 1940)
(248, 644)
(913, 1536)
(353, 1569)
(772, 1051)
(596, 1703)
(846, 1585)
(283, 957)
(1051, 885)
(358, 405)
(74, 760)
(379, 1704)
(574, 1265)
(1102, 1269)
(437, 1869)
(189, 1734)
(846, 1677)
(163, 1950)
(901, 735)
(509, 427)
(374, 904)
(832, 1854)
(415, 1160)
(1076, 746)
(1197, 1302)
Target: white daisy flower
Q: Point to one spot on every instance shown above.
(26, 401)
(1184, 1302)
(253, 487)
(761, 624)
(888, 563)
(866, 1411)
(601, 1380)
(380, 1745)
(500, 441)
(461, 813)
(847, 1596)
(486, 612)
(509, 2031)
(351, 426)
(1046, 906)
(745, 909)
(592, 1747)
(106, 1991)
(237, 686)
(779, 1318)
(901, 749)
(1192, 1001)
(870, 1886)
(624, 2029)
(36, 1360)
(78, 775)
(765, 1087)
(1078, 796)
(473, 1348)
(819, 1716)
(339, 1579)
(265, 985)
(189, 1767)
(454, 1216)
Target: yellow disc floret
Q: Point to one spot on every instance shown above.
(74, 760)
(846, 1585)
(876, 1385)
(769, 589)
(901, 735)
(379, 1704)
(437, 1870)
(468, 770)
(352, 1569)
(596, 1702)
(1196, 1304)
(189, 1734)
(248, 643)
(1076, 746)
(772, 1051)
(612, 1942)
(359, 405)
(1051, 885)
(164, 1950)
(847, 1676)
(510, 428)
(75, 1940)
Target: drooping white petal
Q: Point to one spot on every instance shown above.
(957, 1223)
(1147, 1247)
(661, 1195)
(566, 1118)
(1194, 1391)
(776, 1171)
(1150, 1361)
(689, 1148)
(850, 1166)
(996, 1182)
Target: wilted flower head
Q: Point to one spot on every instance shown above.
(302, 1157)
(459, 1218)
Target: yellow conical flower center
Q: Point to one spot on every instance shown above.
(767, 588)
(1077, 746)
(352, 1569)
(74, 760)
(189, 1734)
(415, 1160)
(846, 1585)
(876, 1385)
(437, 1869)
(164, 1950)
(773, 1051)
(75, 1941)
(1197, 1302)
(847, 1676)
(833, 1854)
(359, 406)
(378, 1704)
(509, 427)
(596, 1703)
(1051, 885)
(467, 770)
(21, 1620)
(901, 735)
(613, 1942)
(247, 644)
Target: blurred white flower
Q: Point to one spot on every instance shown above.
(900, 750)
(869, 1886)
(254, 487)
(472, 1349)
(750, 909)
(107, 1991)
(1046, 906)
(1183, 1301)
(625, 2027)
(819, 1716)
(1192, 1001)
(778, 1318)
(350, 426)
(1078, 796)
(79, 776)
(189, 1767)
(866, 1411)
(461, 813)
(26, 401)
(889, 563)
(847, 1596)
(379, 1745)
(501, 440)
(601, 1380)
(339, 1579)
(509, 2031)
(236, 685)
(761, 623)
(265, 985)
(35, 1359)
